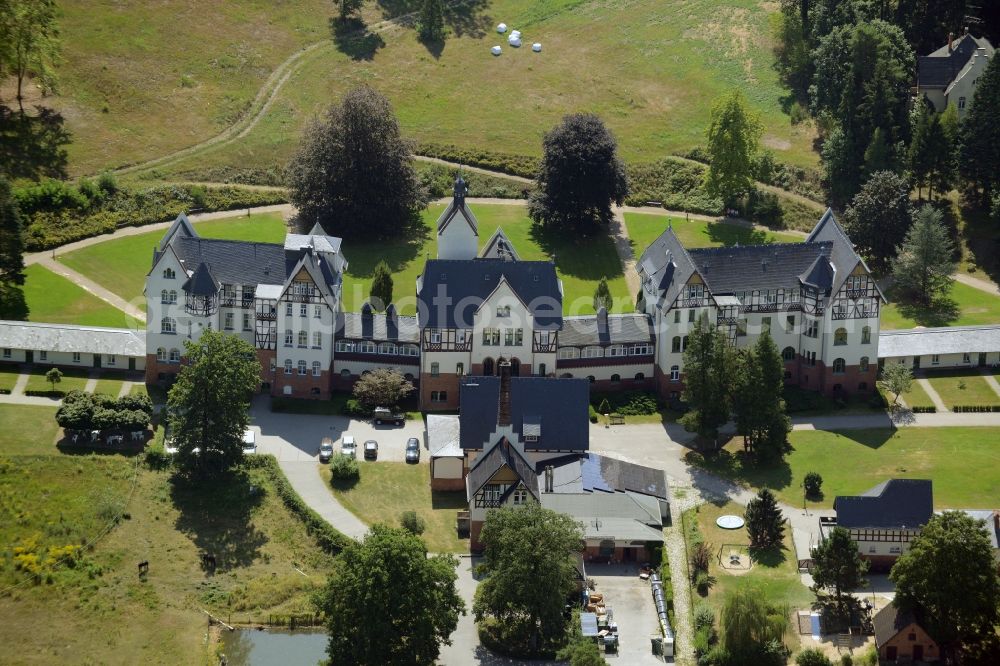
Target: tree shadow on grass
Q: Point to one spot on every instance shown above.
(768, 557)
(873, 438)
(940, 312)
(33, 146)
(731, 234)
(353, 39)
(740, 467)
(398, 253)
(448, 499)
(434, 46)
(467, 19)
(583, 257)
(217, 516)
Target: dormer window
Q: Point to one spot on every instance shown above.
(503, 311)
(168, 274)
(519, 497)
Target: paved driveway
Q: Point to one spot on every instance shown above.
(632, 604)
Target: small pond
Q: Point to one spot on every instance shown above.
(251, 647)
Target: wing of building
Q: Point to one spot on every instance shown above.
(950, 74)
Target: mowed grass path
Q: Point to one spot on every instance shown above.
(54, 299)
(962, 388)
(853, 461)
(121, 265)
(964, 306)
(650, 69)
(644, 228)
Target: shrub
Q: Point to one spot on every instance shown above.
(765, 208)
(704, 616)
(517, 165)
(812, 657)
(157, 458)
(353, 408)
(677, 184)
(439, 181)
(798, 113)
(702, 640)
(926, 410)
(812, 484)
(344, 468)
(701, 558)
(106, 181)
(846, 660)
(605, 407)
(703, 582)
(594, 416)
(412, 523)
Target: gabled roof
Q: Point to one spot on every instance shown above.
(624, 328)
(499, 247)
(233, 262)
(842, 254)
(450, 291)
(72, 338)
(558, 407)
(944, 340)
(322, 274)
(892, 504)
(668, 265)
(181, 227)
(457, 210)
(727, 270)
(941, 67)
(201, 282)
(819, 276)
(377, 327)
(889, 621)
(501, 454)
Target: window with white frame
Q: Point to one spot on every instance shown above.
(168, 274)
(316, 368)
(866, 335)
(491, 337)
(303, 338)
(317, 312)
(790, 324)
(435, 369)
(641, 350)
(966, 358)
(863, 365)
(246, 322)
(288, 309)
(459, 369)
(76, 356)
(840, 337)
(961, 103)
(6, 352)
(317, 339)
(368, 347)
(345, 346)
(288, 366)
(616, 350)
(741, 327)
(289, 337)
(765, 324)
(228, 321)
(592, 352)
(164, 297)
(675, 373)
(112, 360)
(935, 359)
(519, 497)
(302, 367)
(175, 355)
(168, 325)
(675, 345)
(839, 366)
(503, 310)
(677, 316)
(303, 310)
(387, 348)
(43, 355)
(812, 329)
(568, 352)
(518, 337)
(435, 336)
(692, 316)
(788, 354)
(544, 338)
(439, 396)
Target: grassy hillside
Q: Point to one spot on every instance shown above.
(650, 69)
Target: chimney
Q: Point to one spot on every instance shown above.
(950, 37)
(548, 479)
(602, 323)
(503, 413)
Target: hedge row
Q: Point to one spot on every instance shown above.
(439, 181)
(976, 408)
(44, 394)
(4, 391)
(517, 165)
(253, 175)
(137, 207)
(924, 410)
(677, 184)
(328, 538)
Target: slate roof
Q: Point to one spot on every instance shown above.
(71, 338)
(356, 326)
(450, 291)
(182, 226)
(946, 340)
(743, 268)
(489, 463)
(889, 621)
(624, 328)
(667, 264)
(499, 242)
(233, 262)
(940, 68)
(202, 282)
(458, 210)
(892, 504)
(842, 254)
(559, 406)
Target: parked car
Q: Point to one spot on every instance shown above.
(348, 446)
(385, 415)
(325, 450)
(371, 450)
(249, 442)
(413, 450)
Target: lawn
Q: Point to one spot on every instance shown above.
(109, 385)
(155, 393)
(644, 228)
(386, 489)
(852, 461)
(650, 69)
(8, 376)
(962, 388)
(54, 299)
(121, 265)
(965, 306)
(775, 571)
(73, 379)
(267, 563)
(915, 397)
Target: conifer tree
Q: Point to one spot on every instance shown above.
(708, 365)
(765, 524)
(432, 21)
(980, 134)
(381, 291)
(12, 303)
(923, 265)
(602, 296)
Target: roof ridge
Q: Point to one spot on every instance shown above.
(49, 324)
(200, 239)
(939, 329)
(722, 248)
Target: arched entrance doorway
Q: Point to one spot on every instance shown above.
(487, 366)
(515, 367)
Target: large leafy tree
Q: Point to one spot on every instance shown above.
(733, 141)
(927, 23)
(29, 42)
(529, 557)
(580, 177)
(387, 602)
(979, 161)
(837, 565)
(758, 401)
(879, 217)
(923, 265)
(765, 524)
(709, 363)
(353, 172)
(949, 575)
(209, 405)
(382, 387)
(12, 303)
(347, 8)
(749, 623)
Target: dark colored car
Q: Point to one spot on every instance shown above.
(413, 450)
(371, 450)
(382, 415)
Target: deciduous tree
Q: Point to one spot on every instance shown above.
(353, 172)
(896, 378)
(733, 141)
(382, 387)
(765, 524)
(208, 406)
(29, 42)
(529, 557)
(837, 565)
(12, 304)
(388, 602)
(381, 291)
(709, 363)
(580, 177)
(949, 576)
(53, 377)
(749, 623)
(347, 8)
(879, 217)
(923, 265)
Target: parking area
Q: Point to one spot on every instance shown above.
(296, 437)
(631, 601)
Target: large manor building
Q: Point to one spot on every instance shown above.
(480, 309)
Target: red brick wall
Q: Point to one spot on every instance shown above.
(446, 484)
(904, 646)
(154, 368)
(443, 382)
(302, 385)
(626, 384)
(639, 554)
(475, 527)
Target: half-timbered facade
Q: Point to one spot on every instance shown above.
(817, 299)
